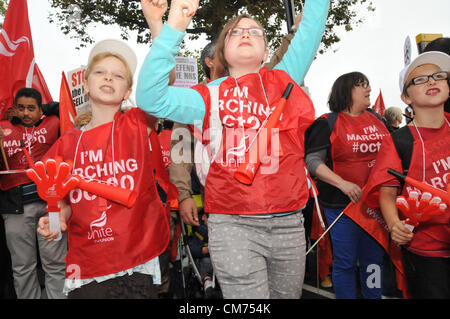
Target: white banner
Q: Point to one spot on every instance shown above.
(187, 72)
(75, 78)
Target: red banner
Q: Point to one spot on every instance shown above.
(379, 106)
(67, 112)
(324, 251)
(19, 69)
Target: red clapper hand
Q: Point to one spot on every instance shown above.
(53, 182)
(419, 210)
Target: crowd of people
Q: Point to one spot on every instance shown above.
(248, 235)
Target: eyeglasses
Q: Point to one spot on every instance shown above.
(237, 31)
(422, 79)
(363, 84)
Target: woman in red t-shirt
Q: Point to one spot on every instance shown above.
(341, 157)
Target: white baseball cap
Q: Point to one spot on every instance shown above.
(438, 58)
(115, 47)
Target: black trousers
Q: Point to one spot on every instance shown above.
(136, 286)
(427, 277)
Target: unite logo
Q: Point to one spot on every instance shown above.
(7, 131)
(11, 51)
(98, 232)
(51, 191)
(12, 45)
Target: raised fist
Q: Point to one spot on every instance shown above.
(181, 13)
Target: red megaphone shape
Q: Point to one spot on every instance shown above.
(53, 181)
(423, 187)
(52, 189)
(119, 195)
(247, 169)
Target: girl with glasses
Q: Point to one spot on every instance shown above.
(424, 143)
(256, 234)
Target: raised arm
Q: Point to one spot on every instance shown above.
(153, 12)
(153, 94)
(304, 45)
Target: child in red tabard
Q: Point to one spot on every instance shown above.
(421, 151)
(256, 233)
(113, 250)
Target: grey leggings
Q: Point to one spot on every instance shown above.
(258, 258)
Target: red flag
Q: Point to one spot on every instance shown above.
(379, 105)
(67, 112)
(372, 221)
(19, 68)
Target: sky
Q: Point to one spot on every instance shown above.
(374, 48)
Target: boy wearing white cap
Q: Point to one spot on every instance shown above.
(113, 250)
(421, 150)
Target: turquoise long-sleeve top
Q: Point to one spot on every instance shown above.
(186, 105)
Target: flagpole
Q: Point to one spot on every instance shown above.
(326, 231)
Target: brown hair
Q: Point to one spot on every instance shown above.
(220, 46)
(97, 58)
(340, 98)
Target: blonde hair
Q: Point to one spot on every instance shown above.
(85, 117)
(220, 46)
(97, 58)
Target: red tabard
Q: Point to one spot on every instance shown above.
(107, 239)
(431, 238)
(280, 183)
(37, 140)
(355, 142)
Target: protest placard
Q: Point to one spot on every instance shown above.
(187, 72)
(75, 80)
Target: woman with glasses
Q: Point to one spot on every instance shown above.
(256, 234)
(425, 145)
(341, 148)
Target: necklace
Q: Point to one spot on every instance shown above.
(240, 110)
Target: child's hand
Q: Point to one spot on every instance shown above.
(181, 13)
(44, 228)
(154, 10)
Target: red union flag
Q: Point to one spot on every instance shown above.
(379, 105)
(18, 67)
(67, 111)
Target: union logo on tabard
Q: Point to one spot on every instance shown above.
(99, 232)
